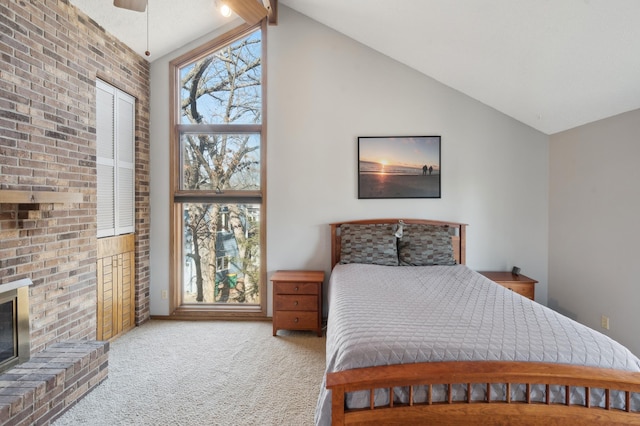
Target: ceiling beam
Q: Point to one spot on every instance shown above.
(250, 10)
(272, 7)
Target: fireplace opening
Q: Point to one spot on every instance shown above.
(15, 345)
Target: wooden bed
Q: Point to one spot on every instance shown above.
(484, 373)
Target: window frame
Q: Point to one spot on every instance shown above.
(179, 196)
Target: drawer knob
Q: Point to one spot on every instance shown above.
(296, 288)
(296, 319)
(295, 303)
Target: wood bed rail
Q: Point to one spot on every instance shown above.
(484, 373)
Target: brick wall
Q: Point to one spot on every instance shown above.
(51, 56)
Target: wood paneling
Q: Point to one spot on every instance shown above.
(116, 283)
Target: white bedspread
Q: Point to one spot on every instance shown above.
(383, 315)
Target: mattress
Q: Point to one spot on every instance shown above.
(380, 315)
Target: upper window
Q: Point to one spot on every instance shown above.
(218, 183)
(224, 87)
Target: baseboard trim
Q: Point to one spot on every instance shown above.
(192, 318)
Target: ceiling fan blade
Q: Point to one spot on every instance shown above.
(251, 11)
(137, 5)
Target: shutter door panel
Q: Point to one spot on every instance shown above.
(105, 197)
(126, 198)
(126, 128)
(104, 121)
(105, 159)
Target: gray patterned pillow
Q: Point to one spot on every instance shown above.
(374, 244)
(424, 245)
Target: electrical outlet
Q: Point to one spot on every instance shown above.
(165, 295)
(604, 322)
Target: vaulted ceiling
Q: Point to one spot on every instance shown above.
(551, 64)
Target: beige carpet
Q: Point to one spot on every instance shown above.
(206, 373)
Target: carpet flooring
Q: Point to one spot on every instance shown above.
(206, 373)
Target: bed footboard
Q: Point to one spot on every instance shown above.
(410, 377)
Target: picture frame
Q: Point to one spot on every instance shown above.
(399, 167)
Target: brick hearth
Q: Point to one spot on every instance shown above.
(41, 389)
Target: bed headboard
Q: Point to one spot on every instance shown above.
(458, 241)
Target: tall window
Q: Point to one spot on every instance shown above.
(218, 176)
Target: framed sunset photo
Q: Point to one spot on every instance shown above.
(399, 167)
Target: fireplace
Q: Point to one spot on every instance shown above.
(15, 346)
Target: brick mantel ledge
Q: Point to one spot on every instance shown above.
(13, 196)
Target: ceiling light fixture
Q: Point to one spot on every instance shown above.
(224, 9)
(137, 5)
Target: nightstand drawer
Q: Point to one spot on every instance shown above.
(521, 284)
(295, 288)
(296, 320)
(295, 303)
(525, 290)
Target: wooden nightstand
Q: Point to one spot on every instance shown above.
(521, 284)
(297, 300)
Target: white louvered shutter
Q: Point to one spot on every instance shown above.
(115, 160)
(125, 194)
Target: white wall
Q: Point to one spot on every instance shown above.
(594, 206)
(159, 164)
(325, 90)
